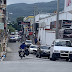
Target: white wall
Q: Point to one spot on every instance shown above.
(68, 5)
(37, 17)
(47, 37)
(50, 37)
(62, 16)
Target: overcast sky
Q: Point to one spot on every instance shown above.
(26, 1)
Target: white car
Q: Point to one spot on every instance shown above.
(61, 49)
(12, 38)
(28, 42)
(17, 37)
(33, 48)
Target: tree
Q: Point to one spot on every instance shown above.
(11, 29)
(16, 26)
(19, 19)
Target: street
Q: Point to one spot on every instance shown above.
(36, 36)
(30, 63)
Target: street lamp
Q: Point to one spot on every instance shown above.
(57, 22)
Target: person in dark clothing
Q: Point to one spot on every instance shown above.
(23, 46)
(35, 40)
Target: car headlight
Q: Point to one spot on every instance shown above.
(70, 52)
(56, 51)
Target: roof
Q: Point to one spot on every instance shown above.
(29, 17)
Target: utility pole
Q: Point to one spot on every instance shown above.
(57, 22)
(34, 20)
(7, 20)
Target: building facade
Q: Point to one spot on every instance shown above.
(48, 24)
(28, 24)
(3, 24)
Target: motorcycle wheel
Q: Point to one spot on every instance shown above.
(21, 57)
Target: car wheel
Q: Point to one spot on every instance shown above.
(67, 59)
(14, 41)
(70, 60)
(21, 57)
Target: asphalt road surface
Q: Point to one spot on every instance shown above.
(30, 63)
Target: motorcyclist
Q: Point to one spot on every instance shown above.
(23, 47)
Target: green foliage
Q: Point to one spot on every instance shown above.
(19, 19)
(16, 26)
(11, 29)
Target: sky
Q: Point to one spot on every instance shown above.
(26, 1)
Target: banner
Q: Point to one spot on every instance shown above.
(68, 5)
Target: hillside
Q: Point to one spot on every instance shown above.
(23, 9)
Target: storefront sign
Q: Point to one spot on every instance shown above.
(68, 2)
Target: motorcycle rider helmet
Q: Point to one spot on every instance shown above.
(23, 42)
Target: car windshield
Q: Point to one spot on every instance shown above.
(33, 47)
(29, 41)
(44, 47)
(63, 43)
(12, 33)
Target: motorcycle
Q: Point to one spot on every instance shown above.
(23, 52)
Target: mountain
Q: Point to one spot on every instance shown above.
(23, 9)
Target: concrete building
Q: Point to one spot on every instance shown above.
(48, 23)
(28, 24)
(2, 24)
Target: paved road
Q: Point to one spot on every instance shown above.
(32, 64)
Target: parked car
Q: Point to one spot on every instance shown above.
(61, 49)
(43, 51)
(12, 38)
(28, 42)
(33, 49)
(17, 37)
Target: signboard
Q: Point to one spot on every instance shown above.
(25, 22)
(68, 2)
(68, 5)
(2, 26)
(21, 23)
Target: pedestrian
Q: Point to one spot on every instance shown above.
(35, 40)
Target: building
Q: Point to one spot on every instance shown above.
(28, 24)
(48, 23)
(2, 24)
(3, 13)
